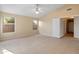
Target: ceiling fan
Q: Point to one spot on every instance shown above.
(37, 9)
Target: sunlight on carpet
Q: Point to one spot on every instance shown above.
(5, 51)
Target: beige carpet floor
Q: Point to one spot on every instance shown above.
(39, 44)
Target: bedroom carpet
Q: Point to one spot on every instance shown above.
(39, 44)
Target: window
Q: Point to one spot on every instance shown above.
(8, 24)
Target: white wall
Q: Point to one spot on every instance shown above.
(53, 28)
(62, 27)
(58, 27)
(45, 27)
(76, 27)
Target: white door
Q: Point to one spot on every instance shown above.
(76, 27)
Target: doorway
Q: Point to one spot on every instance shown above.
(70, 27)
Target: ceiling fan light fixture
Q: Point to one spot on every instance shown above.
(37, 12)
(37, 9)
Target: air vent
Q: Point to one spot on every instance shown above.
(69, 9)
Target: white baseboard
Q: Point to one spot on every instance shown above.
(52, 35)
(76, 36)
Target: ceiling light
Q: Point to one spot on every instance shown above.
(37, 9)
(37, 12)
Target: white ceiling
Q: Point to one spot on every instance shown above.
(28, 9)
